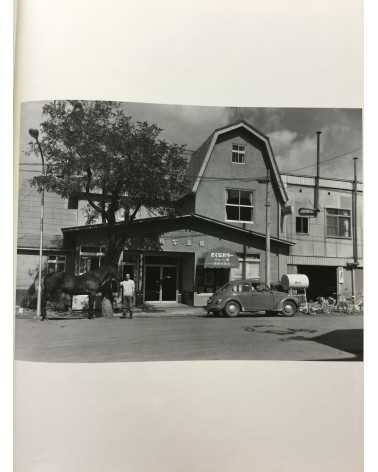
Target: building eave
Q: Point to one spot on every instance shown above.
(165, 224)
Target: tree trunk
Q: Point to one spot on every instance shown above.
(115, 243)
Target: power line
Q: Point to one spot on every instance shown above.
(326, 160)
(219, 179)
(222, 179)
(290, 170)
(193, 176)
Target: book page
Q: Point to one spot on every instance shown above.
(153, 395)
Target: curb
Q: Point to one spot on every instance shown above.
(136, 314)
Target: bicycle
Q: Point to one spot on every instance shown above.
(349, 304)
(321, 305)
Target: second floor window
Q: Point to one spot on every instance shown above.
(56, 263)
(238, 154)
(72, 202)
(338, 223)
(239, 205)
(301, 225)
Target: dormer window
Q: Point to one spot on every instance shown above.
(238, 154)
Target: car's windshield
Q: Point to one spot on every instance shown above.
(223, 287)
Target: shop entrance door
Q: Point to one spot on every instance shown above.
(168, 284)
(160, 283)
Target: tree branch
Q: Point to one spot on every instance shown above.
(137, 208)
(87, 188)
(94, 206)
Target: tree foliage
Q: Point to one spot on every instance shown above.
(95, 150)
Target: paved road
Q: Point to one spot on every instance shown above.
(304, 337)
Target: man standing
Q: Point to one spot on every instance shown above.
(128, 292)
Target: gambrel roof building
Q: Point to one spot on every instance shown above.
(223, 212)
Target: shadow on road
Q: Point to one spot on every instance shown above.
(347, 340)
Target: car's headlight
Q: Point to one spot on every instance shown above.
(218, 300)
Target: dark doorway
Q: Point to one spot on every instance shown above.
(323, 280)
(152, 284)
(160, 283)
(168, 283)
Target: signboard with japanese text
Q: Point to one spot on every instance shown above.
(221, 258)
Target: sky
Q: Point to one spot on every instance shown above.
(292, 132)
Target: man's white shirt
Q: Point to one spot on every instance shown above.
(128, 287)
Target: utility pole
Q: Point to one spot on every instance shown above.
(313, 212)
(244, 263)
(267, 231)
(317, 178)
(354, 211)
(34, 134)
(354, 222)
(266, 181)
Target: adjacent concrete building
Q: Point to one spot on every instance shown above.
(324, 244)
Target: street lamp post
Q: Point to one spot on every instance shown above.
(34, 133)
(267, 228)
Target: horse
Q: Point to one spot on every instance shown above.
(63, 283)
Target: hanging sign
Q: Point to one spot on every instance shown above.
(221, 258)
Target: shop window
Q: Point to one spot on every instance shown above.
(252, 270)
(91, 258)
(56, 264)
(239, 205)
(209, 280)
(338, 223)
(238, 154)
(301, 224)
(73, 203)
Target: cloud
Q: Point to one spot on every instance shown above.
(283, 141)
(292, 153)
(291, 131)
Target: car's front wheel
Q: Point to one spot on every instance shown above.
(289, 308)
(232, 309)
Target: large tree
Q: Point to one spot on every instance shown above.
(94, 150)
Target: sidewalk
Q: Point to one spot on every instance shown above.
(170, 311)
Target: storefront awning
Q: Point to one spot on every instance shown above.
(220, 258)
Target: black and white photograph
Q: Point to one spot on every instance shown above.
(154, 232)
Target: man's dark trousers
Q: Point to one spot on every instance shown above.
(128, 305)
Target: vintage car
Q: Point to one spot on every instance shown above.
(247, 295)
